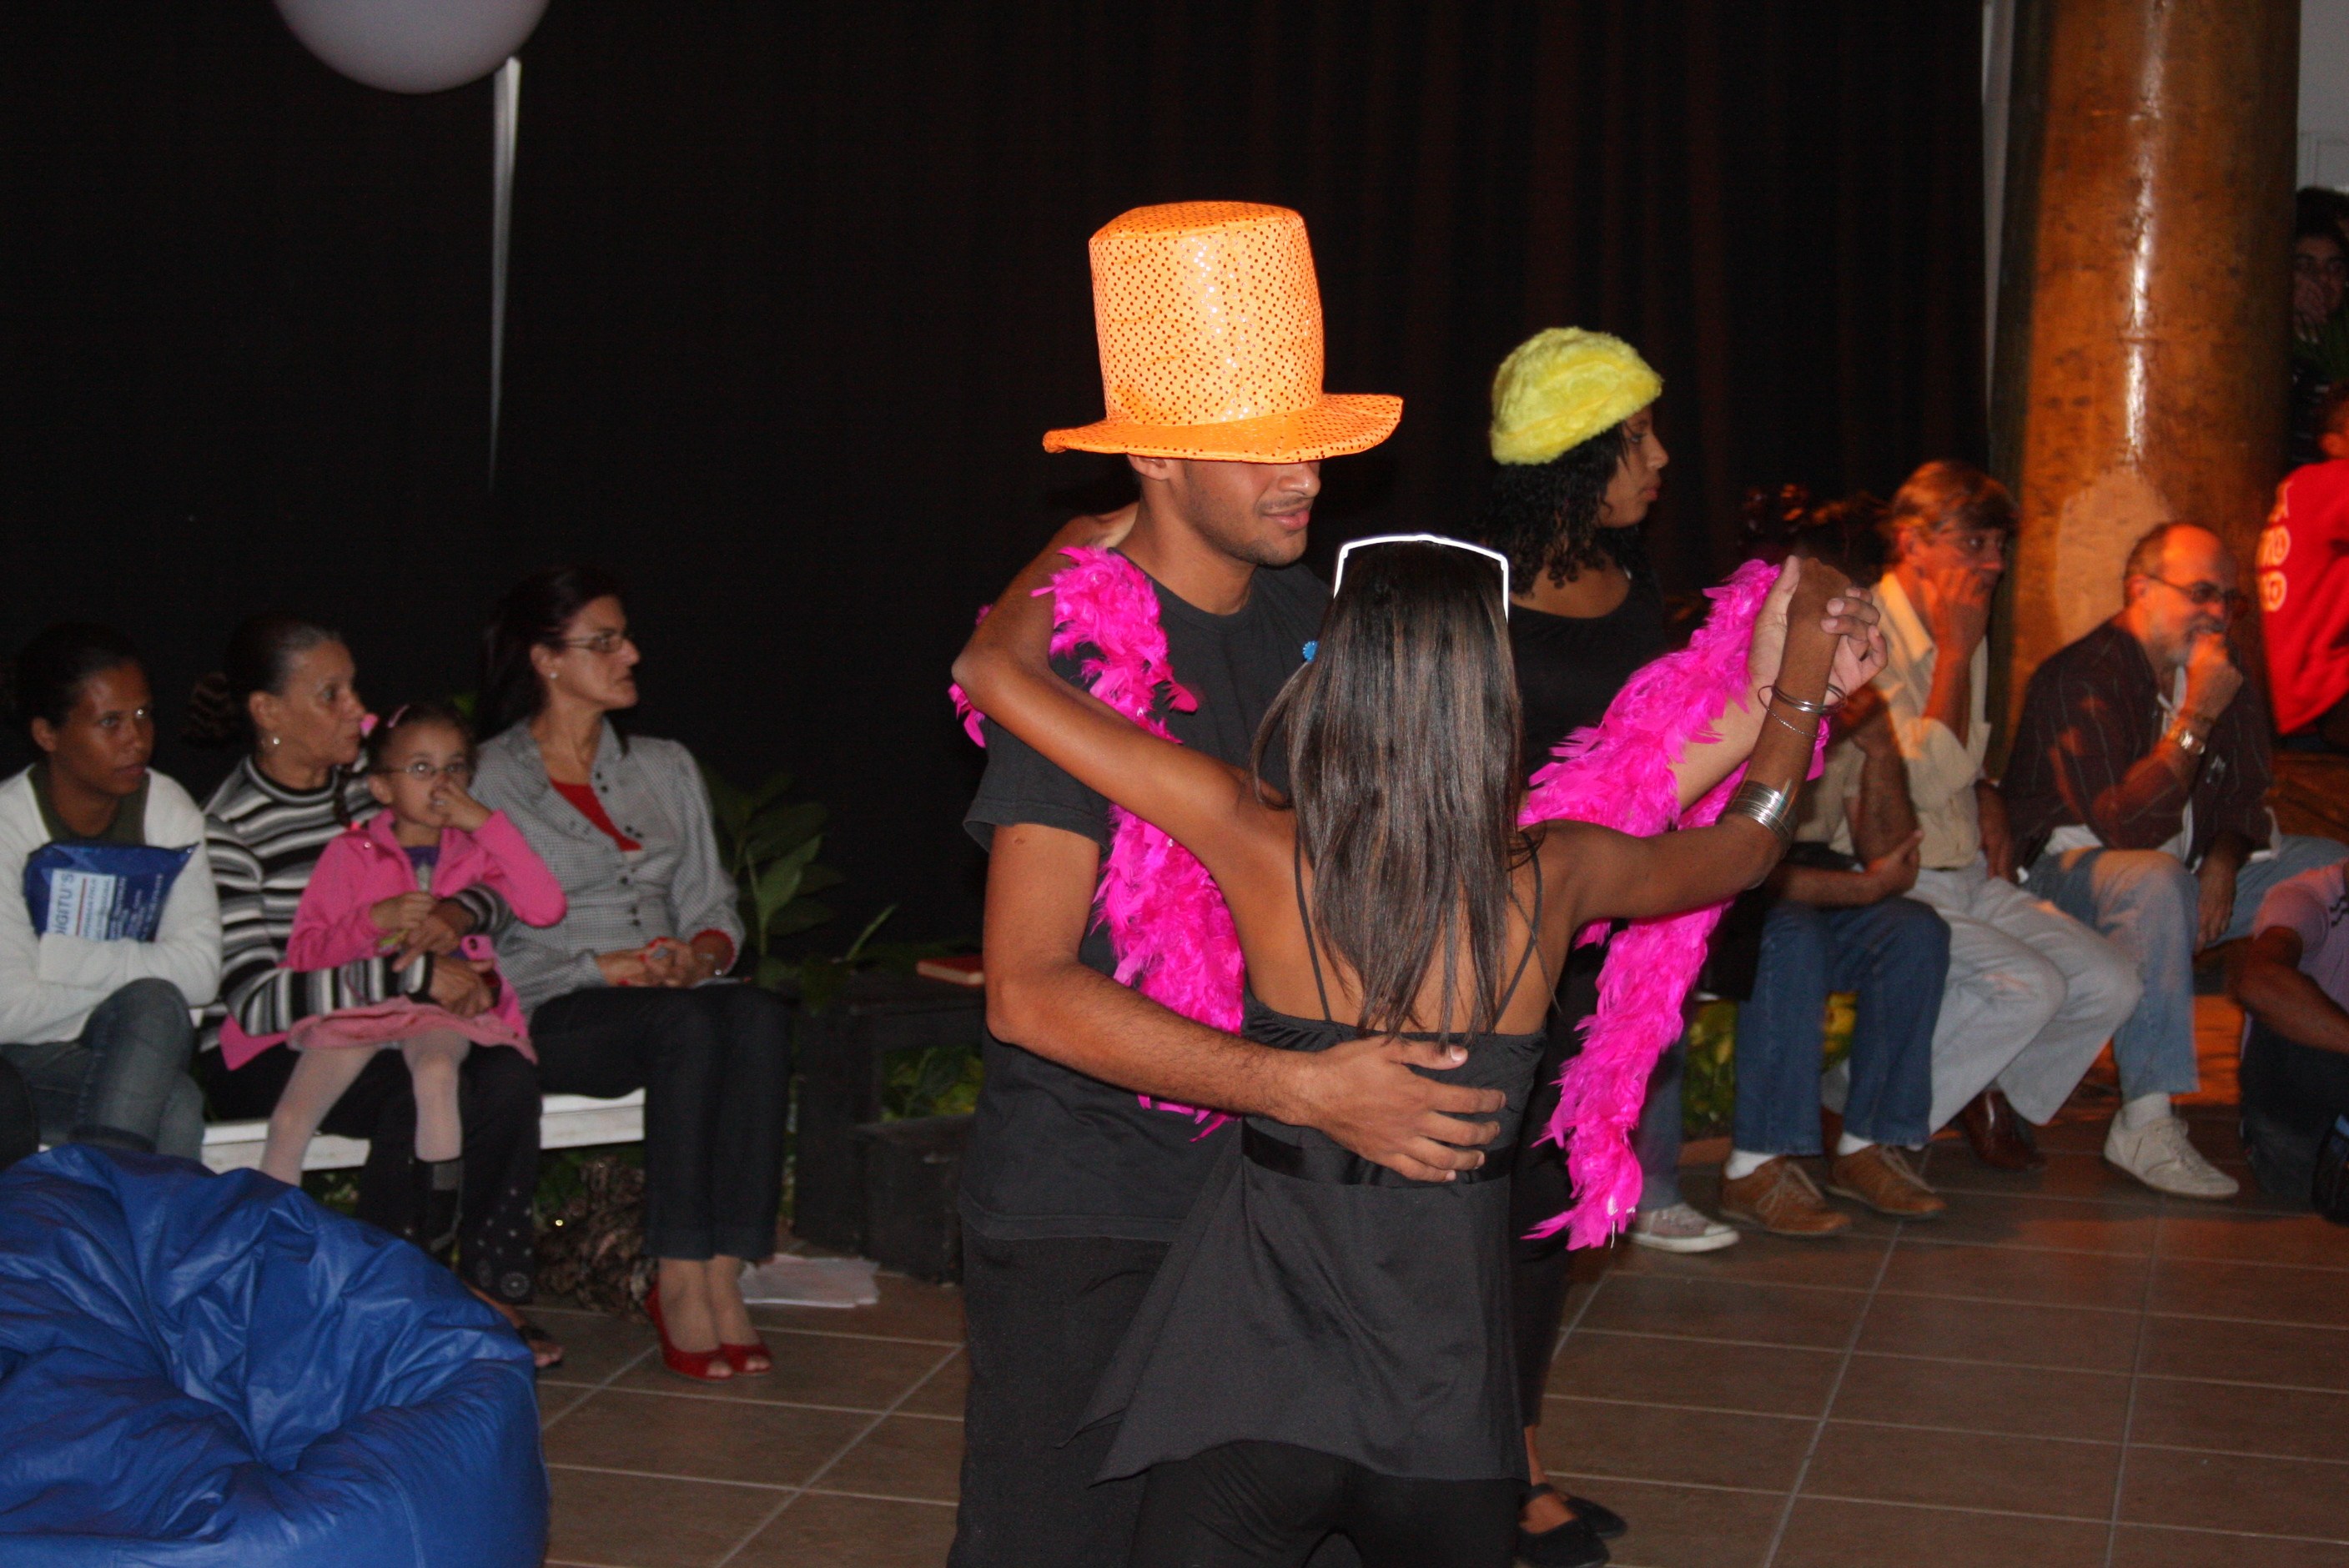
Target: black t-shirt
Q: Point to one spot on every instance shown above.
(1054, 1153)
(1569, 668)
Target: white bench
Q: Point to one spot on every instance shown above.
(565, 1121)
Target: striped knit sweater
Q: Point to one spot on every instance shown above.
(263, 840)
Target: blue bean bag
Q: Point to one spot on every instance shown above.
(214, 1371)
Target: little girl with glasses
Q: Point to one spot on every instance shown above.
(371, 886)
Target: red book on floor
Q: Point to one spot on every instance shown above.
(961, 969)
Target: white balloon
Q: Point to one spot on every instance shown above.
(412, 45)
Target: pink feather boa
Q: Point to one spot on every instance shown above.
(1174, 936)
(1618, 775)
(1167, 921)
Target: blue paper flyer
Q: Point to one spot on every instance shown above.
(105, 892)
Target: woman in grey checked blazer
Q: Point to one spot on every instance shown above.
(625, 993)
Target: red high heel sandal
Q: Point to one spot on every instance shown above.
(697, 1365)
(737, 1356)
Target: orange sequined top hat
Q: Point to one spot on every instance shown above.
(1209, 319)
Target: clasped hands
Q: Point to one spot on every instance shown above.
(1807, 589)
(417, 924)
(663, 960)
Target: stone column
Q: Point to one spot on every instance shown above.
(2143, 362)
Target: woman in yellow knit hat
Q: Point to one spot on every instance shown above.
(1577, 465)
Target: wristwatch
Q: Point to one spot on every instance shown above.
(2182, 735)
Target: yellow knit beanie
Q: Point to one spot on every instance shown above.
(1563, 385)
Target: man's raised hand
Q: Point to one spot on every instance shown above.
(1364, 1094)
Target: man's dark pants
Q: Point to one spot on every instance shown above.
(1044, 1317)
(2291, 1094)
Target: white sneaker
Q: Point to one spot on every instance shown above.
(2158, 1155)
(1681, 1229)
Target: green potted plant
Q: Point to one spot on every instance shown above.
(879, 1048)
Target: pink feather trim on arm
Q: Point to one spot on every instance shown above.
(1167, 921)
(1618, 775)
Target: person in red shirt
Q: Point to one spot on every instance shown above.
(2303, 582)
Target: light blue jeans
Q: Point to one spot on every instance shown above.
(2144, 902)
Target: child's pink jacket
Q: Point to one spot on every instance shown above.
(366, 865)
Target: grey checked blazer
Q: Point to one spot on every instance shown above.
(676, 886)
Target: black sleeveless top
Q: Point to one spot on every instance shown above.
(1314, 1298)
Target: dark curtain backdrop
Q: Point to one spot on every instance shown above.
(796, 289)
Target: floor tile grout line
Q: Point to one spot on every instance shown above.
(592, 1390)
(1913, 1294)
(2237, 1454)
(842, 1333)
(1835, 1387)
(2052, 1518)
(1743, 1413)
(2241, 1383)
(754, 1401)
(2244, 1534)
(1831, 1350)
(1892, 1426)
(672, 1476)
(2129, 1413)
(2119, 1253)
(1959, 1360)
(876, 1496)
(1607, 1478)
(829, 1465)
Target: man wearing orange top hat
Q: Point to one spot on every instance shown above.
(1083, 1162)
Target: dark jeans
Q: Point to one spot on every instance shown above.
(1895, 954)
(20, 1127)
(1042, 1319)
(715, 1064)
(2292, 1093)
(497, 1096)
(1264, 1505)
(1540, 1188)
(123, 1081)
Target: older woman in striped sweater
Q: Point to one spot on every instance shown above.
(286, 692)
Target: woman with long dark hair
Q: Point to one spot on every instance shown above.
(1327, 1345)
(623, 993)
(286, 696)
(109, 929)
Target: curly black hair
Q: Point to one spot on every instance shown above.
(1545, 516)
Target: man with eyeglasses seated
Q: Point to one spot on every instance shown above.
(2033, 994)
(2138, 791)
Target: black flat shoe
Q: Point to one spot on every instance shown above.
(1604, 1522)
(1573, 1544)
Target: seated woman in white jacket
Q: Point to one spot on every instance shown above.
(114, 938)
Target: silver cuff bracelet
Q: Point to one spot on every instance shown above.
(1771, 808)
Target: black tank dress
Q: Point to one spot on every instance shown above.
(1314, 1298)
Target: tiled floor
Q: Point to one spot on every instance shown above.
(2065, 1370)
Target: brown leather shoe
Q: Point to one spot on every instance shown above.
(1879, 1177)
(1781, 1199)
(1999, 1138)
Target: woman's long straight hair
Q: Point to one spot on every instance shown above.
(1403, 743)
